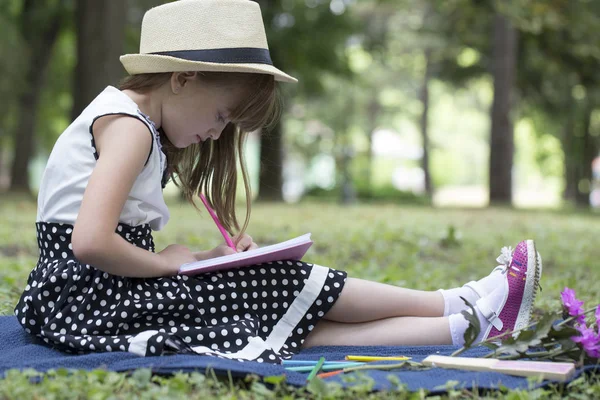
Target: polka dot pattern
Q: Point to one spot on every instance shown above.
(78, 308)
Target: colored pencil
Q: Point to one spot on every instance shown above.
(376, 358)
(311, 362)
(326, 367)
(316, 369)
(213, 214)
(329, 374)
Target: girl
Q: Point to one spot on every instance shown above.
(202, 80)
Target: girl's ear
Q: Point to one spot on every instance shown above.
(180, 79)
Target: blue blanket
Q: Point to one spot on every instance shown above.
(19, 351)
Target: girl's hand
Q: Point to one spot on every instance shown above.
(244, 243)
(219, 251)
(175, 255)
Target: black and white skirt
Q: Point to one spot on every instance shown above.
(263, 312)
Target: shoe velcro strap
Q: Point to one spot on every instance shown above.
(488, 312)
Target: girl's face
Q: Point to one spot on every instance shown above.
(195, 111)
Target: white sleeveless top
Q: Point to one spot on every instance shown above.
(73, 159)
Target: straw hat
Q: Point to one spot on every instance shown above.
(204, 35)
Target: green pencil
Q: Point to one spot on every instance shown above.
(324, 367)
(316, 369)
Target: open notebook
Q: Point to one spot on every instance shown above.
(293, 249)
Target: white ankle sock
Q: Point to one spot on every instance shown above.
(493, 302)
(452, 297)
(459, 324)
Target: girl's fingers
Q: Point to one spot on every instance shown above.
(245, 243)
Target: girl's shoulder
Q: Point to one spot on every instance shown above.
(111, 101)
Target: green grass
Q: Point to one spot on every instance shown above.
(416, 247)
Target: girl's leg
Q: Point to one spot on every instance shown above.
(397, 331)
(363, 301)
(370, 313)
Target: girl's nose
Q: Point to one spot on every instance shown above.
(216, 134)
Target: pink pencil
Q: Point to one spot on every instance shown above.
(216, 219)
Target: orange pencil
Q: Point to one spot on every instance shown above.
(329, 374)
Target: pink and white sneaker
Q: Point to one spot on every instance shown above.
(509, 306)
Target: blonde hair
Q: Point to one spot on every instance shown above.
(211, 166)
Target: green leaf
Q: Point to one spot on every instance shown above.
(261, 390)
(491, 346)
(525, 336)
(542, 328)
(142, 377)
(513, 349)
(275, 380)
(474, 325)
(562, 332)
(317, 387)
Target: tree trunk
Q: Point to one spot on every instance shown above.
(569, 145)
(425, 123)
(501, 140)
(589, 150)
(39, 34)
(270, 187)
(1, 161)
(373, 113)
(348, 192)
(100, 32)
(271, 165)
(580, 149)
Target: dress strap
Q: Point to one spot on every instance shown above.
(146, 122)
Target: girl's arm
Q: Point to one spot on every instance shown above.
(123, 144)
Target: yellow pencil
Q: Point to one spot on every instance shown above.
(373, 358)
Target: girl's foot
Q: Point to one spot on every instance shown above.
(520, 287)
(475, 290)
(509, 306)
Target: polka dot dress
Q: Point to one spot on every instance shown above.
(263, 312)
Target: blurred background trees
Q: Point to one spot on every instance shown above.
(100, 40)
(450, 102)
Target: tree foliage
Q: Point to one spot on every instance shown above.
(361, 65)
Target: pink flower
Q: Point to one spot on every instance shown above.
(598, 317)
(573, 306)
(588, 340)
